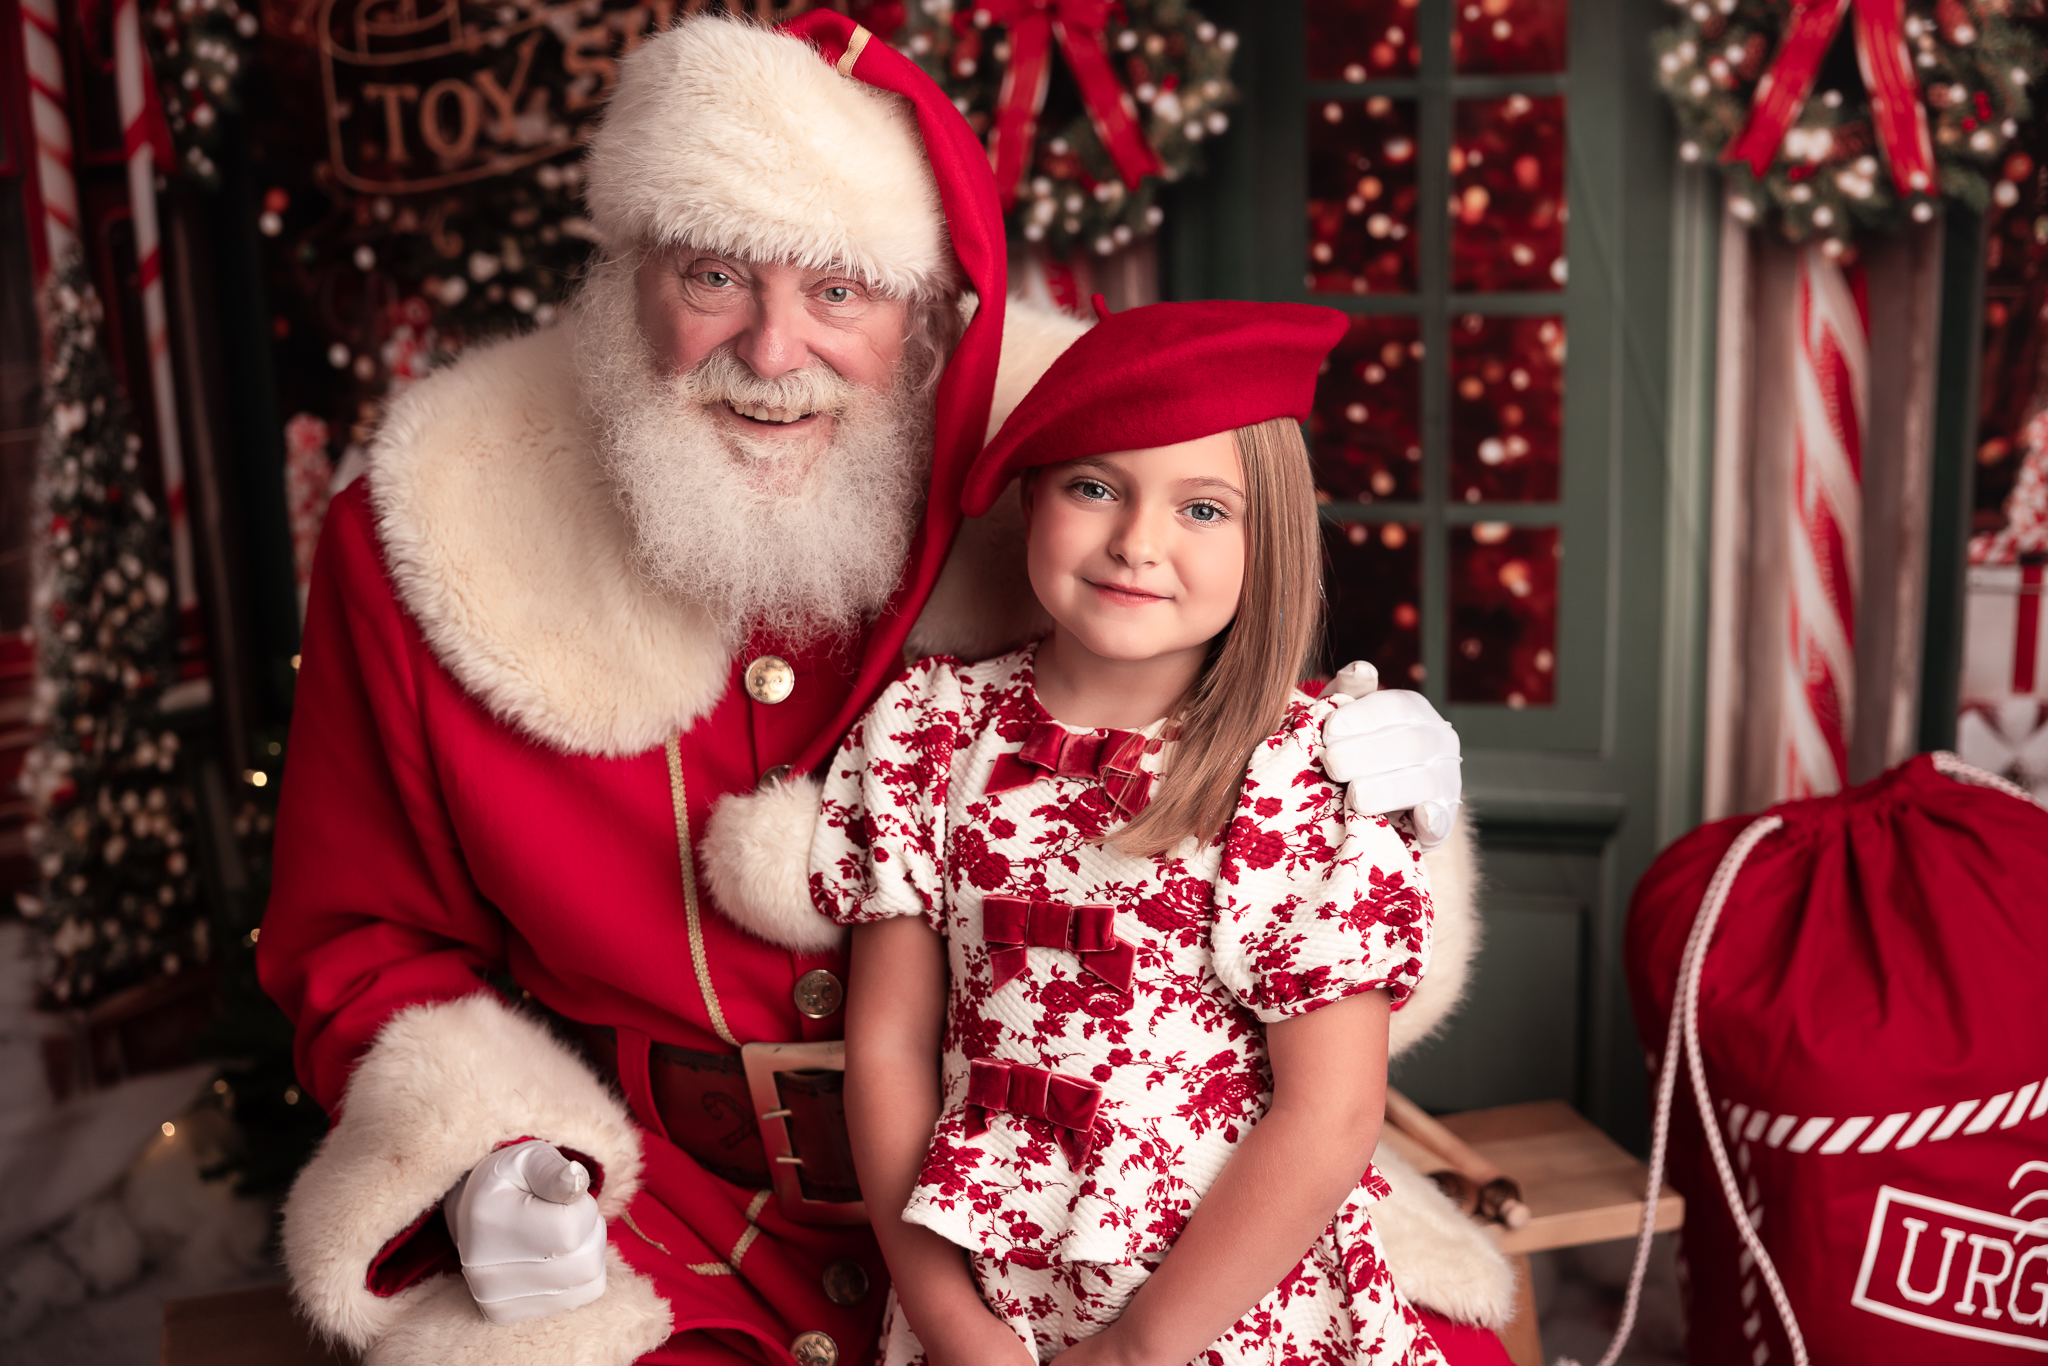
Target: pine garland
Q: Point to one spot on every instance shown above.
(119, 900)
(200, 51)
(1975, 66)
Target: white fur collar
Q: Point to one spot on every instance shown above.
(506, 544)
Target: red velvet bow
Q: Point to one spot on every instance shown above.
(1034, 1093)
(1111, 758)
(1887, 69)
(1078, 25)
(1012, 924)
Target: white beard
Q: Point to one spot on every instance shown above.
(817, 559)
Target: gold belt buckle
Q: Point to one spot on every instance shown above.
(762, 1061)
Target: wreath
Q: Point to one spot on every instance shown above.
(1811, 149)
(1120, 97)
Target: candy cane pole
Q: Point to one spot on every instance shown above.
(1830, 408)
(54, 181)
(130, 90)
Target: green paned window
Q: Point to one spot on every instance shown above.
(1414, 167)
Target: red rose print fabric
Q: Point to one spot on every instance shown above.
(1301, 903)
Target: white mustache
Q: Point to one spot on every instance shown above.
(722, 377)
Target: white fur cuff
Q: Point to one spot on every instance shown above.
(1454, 882)
(439, 1089)
(757, 857)
(1439, 1259)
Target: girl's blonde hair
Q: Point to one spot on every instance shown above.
(1254, 664)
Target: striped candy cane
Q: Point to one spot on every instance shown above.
(1829, 380)
(54, 181)
(132, 89)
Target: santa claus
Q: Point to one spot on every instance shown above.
(606, 596)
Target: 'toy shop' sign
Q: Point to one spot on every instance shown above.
(424, 94)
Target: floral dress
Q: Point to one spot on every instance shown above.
(1105, 1043)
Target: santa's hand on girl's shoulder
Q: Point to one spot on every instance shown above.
(531, 1239)
(1393, 753)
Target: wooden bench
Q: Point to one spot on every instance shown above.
(1579, 1185)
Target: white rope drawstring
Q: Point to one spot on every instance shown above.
(1970, 773)
(1681, 1039)
(1683, 1034)
(1710, 914)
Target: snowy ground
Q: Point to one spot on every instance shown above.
(121, 1330)
(103, 1212)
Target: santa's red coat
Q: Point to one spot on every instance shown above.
(478, 822)
(424, 845)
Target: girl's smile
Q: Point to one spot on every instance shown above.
(1136, 597)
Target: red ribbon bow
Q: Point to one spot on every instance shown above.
(1034, 1093)
(1012, 924)
(1887, 68)
(1110, 757)
(1078, 24)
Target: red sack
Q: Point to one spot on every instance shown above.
(1872, 1037)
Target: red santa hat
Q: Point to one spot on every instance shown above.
(1159, 375)
(736, 138)
(817, 143)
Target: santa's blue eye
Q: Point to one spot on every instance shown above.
(837, 294)
(717, 279)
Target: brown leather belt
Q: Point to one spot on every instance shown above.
(708, 1109)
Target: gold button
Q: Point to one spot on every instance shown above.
(770, 679)
(814, 1349)
(777, 774)
(818, 993)
(846, 1282)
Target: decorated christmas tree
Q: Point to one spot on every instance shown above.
(119, 898)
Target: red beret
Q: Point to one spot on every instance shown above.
(1159, 375)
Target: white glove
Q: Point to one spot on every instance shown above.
(1394, 753)
(531, 1239)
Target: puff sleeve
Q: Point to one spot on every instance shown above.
(876, 851)
(1314, 902)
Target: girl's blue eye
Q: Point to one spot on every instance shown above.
(1091, 488)
(1206, 512)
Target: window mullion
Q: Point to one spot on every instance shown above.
(1433, 268)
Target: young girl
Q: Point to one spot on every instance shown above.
(1122, 960)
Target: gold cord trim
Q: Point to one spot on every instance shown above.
(698, 958)
(627, 1215)
(731, 1265)
(746, 1241)
(854, 47)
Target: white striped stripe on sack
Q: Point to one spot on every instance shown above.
(1898, 1131)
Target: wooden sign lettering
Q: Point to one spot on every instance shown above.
(424, 94)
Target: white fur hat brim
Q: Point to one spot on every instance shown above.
(738, 139)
